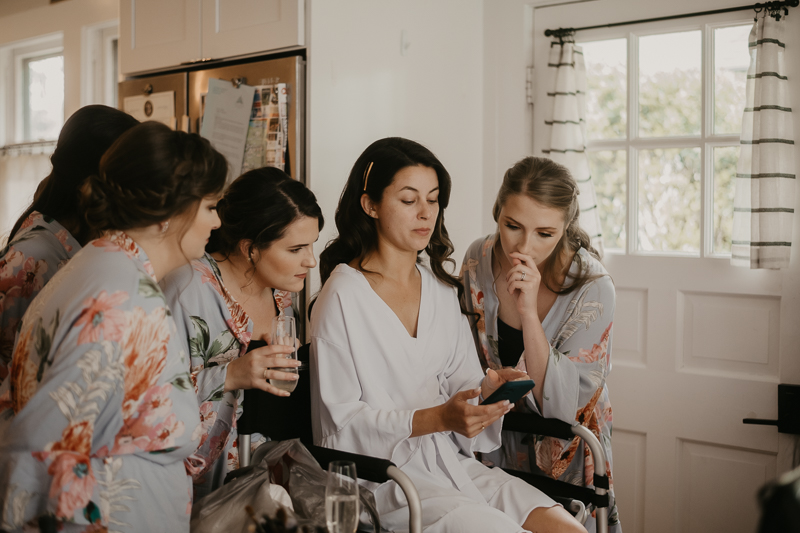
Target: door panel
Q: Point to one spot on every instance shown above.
(629, 477)
(701, 468)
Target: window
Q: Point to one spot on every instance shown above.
(32, 90)
(43, 97)
(663, 118)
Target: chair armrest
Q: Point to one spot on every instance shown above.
(378, 471)
(368, 468)
(536, 424)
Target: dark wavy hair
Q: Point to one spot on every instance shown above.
(358, 235)
(150, 174)
(258, 207)
(83, 140)
(552, 185)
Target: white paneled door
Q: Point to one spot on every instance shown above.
(698, 345)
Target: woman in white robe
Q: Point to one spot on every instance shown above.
(394, 369)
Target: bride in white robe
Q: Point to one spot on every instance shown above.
(395, 370)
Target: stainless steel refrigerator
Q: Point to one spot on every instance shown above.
(190, 84)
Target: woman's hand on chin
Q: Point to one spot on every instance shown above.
(523, 280)
(254, 369)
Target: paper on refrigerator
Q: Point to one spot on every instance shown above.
(254, 146)
(159, 107)
(268, 133)
(226, 120)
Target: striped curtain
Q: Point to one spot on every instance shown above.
(566, 125)
(763, 205)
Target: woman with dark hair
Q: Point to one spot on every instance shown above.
(543, 303)
(98, 415)
(51, 231)
(395, 373)
(226, 302)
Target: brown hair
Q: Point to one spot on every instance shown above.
(550, 184)
(86, 135)
(371, 174)
(149, 175)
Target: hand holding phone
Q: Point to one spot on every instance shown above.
(512, 391)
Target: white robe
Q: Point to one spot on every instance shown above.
(370, 376)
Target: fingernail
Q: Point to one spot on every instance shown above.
(506, 402)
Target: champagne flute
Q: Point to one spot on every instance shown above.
(284, 333)
(341, 497)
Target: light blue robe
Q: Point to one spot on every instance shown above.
(98, 415)
(218, 331)
(39, 249)
(579, 329)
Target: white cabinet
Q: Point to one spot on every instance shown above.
(157, 34)
(238, 27)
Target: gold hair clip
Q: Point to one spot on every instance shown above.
(366, 175)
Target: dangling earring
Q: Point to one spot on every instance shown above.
(164, 227)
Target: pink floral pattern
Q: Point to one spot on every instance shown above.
(580, 334)
(219, 330)
(37, 252)
(117, 422)
(100, 317)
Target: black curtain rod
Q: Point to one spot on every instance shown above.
(773, 8)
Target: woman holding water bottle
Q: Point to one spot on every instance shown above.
(231, 300)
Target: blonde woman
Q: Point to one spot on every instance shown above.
(544, 305)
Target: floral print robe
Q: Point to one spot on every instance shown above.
(39, 249)
(219, 331)
(579, 330)
(98, 415)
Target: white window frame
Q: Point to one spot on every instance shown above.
(99, 77)
(13, 95)
(706, 141)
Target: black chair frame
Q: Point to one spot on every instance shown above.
(562, 491)
(277, 418)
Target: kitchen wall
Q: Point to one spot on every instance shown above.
(19, 22)
(364, 86)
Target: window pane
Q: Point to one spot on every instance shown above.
(669, 84)
(606, 88)
(669, 200)
(725, 159)
(609, 172)
(731, 60)
(44, 114)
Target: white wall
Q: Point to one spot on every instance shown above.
(67, 17)
(362, 89)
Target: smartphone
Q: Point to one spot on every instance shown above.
(511, 391)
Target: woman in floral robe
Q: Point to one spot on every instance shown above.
(98, 415)
(51, 230)
(508, 275)
(259, 255)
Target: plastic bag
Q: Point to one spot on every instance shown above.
(278, 465)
